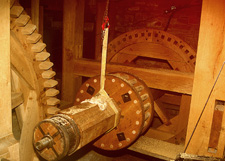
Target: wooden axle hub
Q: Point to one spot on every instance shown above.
(76, 126)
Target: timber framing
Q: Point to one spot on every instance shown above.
(206, 137)
(5, 79)
(169, 80)
(73, 21)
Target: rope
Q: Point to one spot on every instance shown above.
(105, 21)
(105, 31)
(102, 92)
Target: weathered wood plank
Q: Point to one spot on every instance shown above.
(160, 79)
(157, 148)
(158, 134)
(73, 20)
(5, 82)
(210, 57)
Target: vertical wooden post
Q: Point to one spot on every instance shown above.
(184, 113)
(41, 20)
(35, 12)
(73, 21)
(210, 57)
(5, 82)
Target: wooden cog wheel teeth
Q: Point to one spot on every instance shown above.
(131, 103)
(143, 91)
(154, 36)
(22, 26)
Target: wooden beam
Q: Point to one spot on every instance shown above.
(5, 82)
(183, 113)
(210, 57)
(157, 148)
(35, 12)
(151, 50)
(161, 112)
(160, 79)
(41, 20)
(73, 20)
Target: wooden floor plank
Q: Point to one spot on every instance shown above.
(157, 148)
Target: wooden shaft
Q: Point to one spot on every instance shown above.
(91, 121)
(71, 129)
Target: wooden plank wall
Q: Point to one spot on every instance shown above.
(73, 21)
(5, 82)
(210, 57)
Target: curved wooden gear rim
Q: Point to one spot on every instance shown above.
(31, 71)
(152, 43)
(142, 89)
(24, 33)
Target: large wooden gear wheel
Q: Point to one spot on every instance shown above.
(32, 78)
(135, 102)
(152, 43)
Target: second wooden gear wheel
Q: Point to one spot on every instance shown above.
(136, 104)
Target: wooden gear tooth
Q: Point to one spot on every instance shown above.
(16, 11)
(50, 83)
(45, 65)
(42, 56)
(48, 74)
(147, 106)
(52, 110)
(147, 115)
(132, 81)
(145, 124)
(34, 38)
(12, 3)
(144, 97)
(22, 20)
(51, 92)
(52, 101)
(139, 88)
(28, 29)
(124, 76)
(38, 47)
(12, 24)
